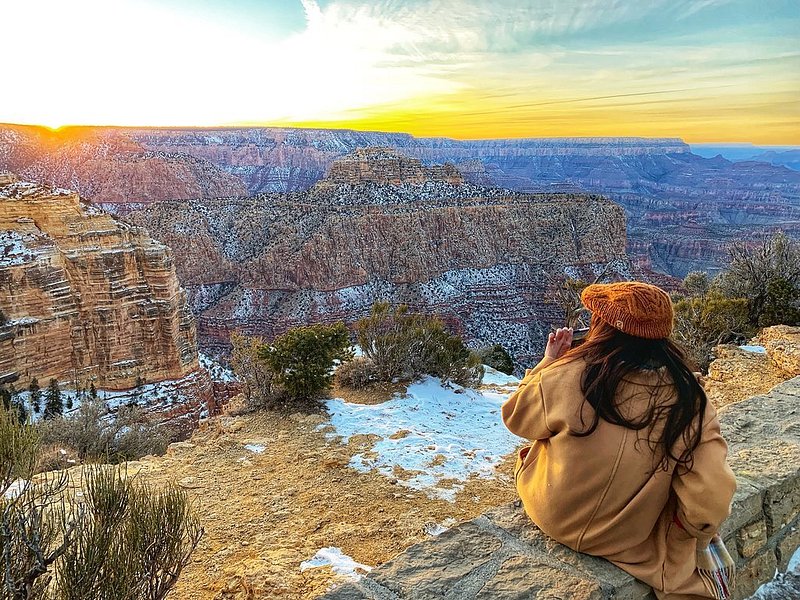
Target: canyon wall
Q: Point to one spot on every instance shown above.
(385, 227)
(682, 209)
(86, 297)
(106, 166)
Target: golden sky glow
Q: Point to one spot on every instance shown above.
(703, 70)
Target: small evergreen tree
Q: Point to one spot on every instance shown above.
(498, 358)
(138, 389)
(17, 407)
(35, 395)
(92, 391)
(5, 397)
(302, 359)
(54, 404)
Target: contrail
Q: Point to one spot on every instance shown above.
(612, 96)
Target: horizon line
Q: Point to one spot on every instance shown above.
(245, 126)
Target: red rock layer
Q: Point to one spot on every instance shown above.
(86, 297)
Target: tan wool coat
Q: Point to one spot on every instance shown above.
(604, 494)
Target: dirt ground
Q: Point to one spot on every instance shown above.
(265, 513)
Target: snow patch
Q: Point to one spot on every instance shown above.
(449, 435)
(255, 448)
(783, 585)
(755, 349)
(15, 489)
(340, 563)
(494, 377)
(436, 529)
(216, 369)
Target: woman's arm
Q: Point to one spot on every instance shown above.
(705, 493)
(524, 413)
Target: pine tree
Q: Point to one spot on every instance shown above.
(36, 395)
(53, 404)
(12, 404)
(92, 391)
(5, 397)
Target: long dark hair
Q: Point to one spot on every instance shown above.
(610, 357)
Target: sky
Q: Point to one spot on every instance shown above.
(701, 70)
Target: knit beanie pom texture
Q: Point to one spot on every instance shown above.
(635, 308)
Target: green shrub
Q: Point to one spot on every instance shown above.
(697, 284)
(498, 358)
(94, 433)
(357, 373)
(781, 304)
(19, 447)
(704, 322)
(302, 359)
(404, 345)
(133, 541)
(451, 360)
(118, 539)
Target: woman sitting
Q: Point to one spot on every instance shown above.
(627, 460)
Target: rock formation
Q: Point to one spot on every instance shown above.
(86, 297)
(681, 208)
(386, 166)
(384, 227)
(736, 373)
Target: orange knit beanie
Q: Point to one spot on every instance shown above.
(634, 308)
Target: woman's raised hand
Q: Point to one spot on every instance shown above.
(558, 342)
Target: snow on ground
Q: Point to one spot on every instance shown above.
(784, 585)
(437, 432)
(14, 249)
(15, 489)
(216, 369)
(494, 377)
(255, 448)
(340, 563)
(156, 396)
(756, 349)
(436, 529)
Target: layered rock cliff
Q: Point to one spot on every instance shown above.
(86, 297)
(682, 209)
(383, 227)
(110, 168)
